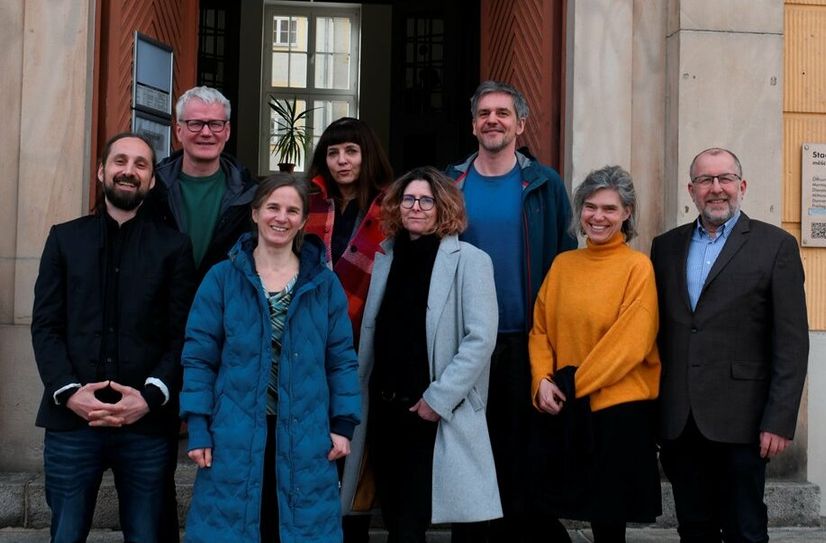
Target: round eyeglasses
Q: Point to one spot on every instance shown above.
(426, 203)
(196, 125)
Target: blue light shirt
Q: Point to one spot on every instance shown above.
(494, 209)
(702, 253)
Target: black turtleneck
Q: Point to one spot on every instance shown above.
(401, 365)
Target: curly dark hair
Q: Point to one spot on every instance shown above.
(451, 216)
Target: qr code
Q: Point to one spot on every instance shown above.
(819, 230)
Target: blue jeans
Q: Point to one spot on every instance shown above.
(74, 463)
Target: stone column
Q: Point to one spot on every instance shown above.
(47, 61)
(724, 68)
(615, 97)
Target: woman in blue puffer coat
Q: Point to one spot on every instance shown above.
(271, 390)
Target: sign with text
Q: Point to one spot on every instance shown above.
(152, 76)
(813, 206)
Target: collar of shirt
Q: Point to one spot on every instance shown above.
(701, 234)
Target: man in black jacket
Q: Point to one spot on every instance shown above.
(110, 306)
(734, 342)
(201, 190)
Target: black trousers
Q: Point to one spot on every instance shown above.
(269, 490)
(401, 449)
(511, 420)
(718, 488)
(402, 457)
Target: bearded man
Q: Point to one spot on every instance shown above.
(111, 301)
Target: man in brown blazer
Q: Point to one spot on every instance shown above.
(734, 345)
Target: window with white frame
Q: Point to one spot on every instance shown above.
(311, 60)
(284, 32)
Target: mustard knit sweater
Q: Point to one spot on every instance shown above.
(597, 309)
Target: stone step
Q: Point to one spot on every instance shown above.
(23, 502)
(633, 535)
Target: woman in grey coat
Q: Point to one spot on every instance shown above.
(429, 328)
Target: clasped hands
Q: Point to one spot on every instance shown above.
(128, 410)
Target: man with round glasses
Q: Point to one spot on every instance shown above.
(201, 190)
(734, 346)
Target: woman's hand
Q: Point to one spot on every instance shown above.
(341, 447)
(549, 398)
(202, 457)
(422, 409)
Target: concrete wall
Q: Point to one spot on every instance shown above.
(816, 411)
(615, 98)
(724, 68)
(46, 59)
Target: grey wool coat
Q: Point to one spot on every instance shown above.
(462, 320)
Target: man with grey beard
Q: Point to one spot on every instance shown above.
(111, 301)
(734, 344)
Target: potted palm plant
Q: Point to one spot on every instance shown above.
(291, 134)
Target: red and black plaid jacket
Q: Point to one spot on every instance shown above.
(355, 266)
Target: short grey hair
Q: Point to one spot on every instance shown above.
(489, 86)
(713, 151)
(613, 178)
(207, 95)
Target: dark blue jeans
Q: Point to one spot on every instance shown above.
(74, 463)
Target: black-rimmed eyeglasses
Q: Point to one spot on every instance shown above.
(196, 125)
(426, 203)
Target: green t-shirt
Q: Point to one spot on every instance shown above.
(201, 198)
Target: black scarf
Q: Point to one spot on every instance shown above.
(401, 366)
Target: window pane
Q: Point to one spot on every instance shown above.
(289, 52)
(278, 126)
(332, 59)
(289, 70)
(327, 111)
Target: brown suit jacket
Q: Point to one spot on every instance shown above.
(738, 361)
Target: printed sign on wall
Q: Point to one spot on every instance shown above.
(813, 206)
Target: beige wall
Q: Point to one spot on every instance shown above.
(615, 98)
(724, 69)
(46, 61)
(11, 65)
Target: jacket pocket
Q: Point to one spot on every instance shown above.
(475, 400)
(753, 371)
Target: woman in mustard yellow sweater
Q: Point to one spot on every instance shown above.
(595, 366)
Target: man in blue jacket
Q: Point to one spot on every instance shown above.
(518, 213)
(110, 305)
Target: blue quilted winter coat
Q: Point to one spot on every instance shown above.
(227, 359)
